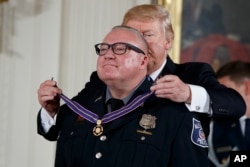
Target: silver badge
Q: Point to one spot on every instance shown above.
(147, 122)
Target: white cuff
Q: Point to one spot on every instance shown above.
(46, 120)
(200, 101)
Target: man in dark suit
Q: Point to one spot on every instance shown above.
(194, 84)
(140, 134)
(229, 136)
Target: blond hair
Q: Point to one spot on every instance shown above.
(150, 12)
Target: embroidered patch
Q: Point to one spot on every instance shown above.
(197, 135)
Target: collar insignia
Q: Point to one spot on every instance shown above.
(99, 98)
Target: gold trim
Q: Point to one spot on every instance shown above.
(3, 1)
(144, 132)
(175, 9)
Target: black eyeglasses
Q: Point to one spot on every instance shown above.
(118, 48)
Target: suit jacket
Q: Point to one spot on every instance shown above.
(224, 137)
(173, 141)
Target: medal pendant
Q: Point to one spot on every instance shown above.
(98, 129)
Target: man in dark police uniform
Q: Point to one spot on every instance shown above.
(140, 134)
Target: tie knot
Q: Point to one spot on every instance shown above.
(115, 103)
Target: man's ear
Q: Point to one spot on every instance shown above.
(168, 41)
(144, 61)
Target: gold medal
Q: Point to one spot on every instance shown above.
(98, 129)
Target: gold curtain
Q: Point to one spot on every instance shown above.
(175, 9)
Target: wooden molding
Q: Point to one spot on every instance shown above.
(174, 7)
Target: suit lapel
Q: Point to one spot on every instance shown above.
(169, 68)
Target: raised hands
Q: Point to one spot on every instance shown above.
(48, 96)
(171, 87)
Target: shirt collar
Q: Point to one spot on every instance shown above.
(156, 73)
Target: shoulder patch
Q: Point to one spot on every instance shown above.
(197, 135)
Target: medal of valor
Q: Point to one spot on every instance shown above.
(94, 118)
(98, 129)
(147, 122)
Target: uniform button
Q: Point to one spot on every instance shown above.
(103, 138)
(71, 133)
(98, 155)
(143, 138)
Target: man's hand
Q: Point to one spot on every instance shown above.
(48, 96)
(171, 87)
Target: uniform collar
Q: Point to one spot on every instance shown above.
(126, 99)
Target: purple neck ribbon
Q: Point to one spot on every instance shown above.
(94, 118)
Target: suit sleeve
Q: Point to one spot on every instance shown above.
(226, 103)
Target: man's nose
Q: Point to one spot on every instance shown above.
(110, 54)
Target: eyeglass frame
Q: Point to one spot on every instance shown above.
(127, 46)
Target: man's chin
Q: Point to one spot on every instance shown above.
(108, 77)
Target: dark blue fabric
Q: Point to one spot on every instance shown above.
(247, 133)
